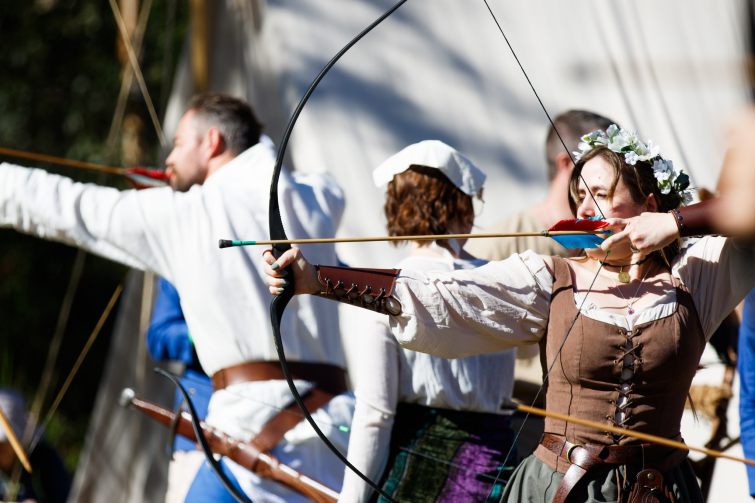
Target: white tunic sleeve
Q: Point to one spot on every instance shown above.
(105, 221)
(462, 313)
(718, 272)
(377, 399)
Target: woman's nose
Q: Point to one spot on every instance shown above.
(586, 209)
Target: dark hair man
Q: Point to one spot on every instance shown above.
(222, 168)
(571, 125)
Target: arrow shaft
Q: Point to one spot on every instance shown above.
(629, 433)
(59, 160)
(413, 238)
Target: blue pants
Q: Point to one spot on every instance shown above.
(207, 487)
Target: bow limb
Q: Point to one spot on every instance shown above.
(277, 232)
(203, 444)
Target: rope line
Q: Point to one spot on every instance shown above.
(138, 72)
(76, 366)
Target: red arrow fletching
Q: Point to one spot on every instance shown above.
(577, 240)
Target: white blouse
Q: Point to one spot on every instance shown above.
(506, 304)
(389, 374)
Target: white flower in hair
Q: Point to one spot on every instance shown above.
(590, 141)
(628, 143)
(665, 174)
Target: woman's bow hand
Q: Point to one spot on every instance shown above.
(647, 232)
(305, 274)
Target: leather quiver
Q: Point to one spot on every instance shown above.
(696, 219)
(368, 288)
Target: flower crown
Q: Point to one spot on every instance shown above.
(628, 143)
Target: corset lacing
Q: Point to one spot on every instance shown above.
(629, 359)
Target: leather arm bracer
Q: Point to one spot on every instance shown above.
(696, 219)
(368, 288)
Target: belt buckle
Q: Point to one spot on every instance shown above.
(569, 451)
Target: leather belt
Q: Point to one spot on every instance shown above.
(329, 378)
(584, 458)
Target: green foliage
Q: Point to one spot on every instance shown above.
(59, 82)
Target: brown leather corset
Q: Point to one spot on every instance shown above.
(586, 380)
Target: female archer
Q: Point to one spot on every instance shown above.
(621, 332)
(415, 418)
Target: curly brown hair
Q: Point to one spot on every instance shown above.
(640, 181)
(423, 201)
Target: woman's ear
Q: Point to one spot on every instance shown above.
(651, 204)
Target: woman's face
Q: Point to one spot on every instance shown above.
(598, 175)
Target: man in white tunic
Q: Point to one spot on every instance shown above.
(221, 167)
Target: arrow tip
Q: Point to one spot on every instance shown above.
(225, 243)
(509, 404)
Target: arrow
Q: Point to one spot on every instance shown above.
(142, 178)
(510, 405)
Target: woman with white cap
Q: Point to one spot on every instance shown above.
(419, 417)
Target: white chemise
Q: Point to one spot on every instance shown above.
(389, 374)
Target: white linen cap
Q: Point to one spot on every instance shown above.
(433, 154)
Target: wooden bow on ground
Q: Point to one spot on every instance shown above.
(245, 454)
(510, 405)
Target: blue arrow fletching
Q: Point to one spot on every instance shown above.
(579, 240)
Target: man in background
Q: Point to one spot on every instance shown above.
(221, 167)
(572, 125)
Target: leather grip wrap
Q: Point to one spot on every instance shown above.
(696, 219)
(367, 288)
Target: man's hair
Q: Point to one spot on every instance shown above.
(571, 125)
(233, 117)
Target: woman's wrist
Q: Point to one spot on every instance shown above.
(696, 219)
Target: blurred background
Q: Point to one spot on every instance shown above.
(676, 71)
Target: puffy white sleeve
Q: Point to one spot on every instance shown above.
(466, 312)
(719, 273)
(377, 392)
(107, 222)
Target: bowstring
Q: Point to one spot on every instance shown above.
(600, 266)
(553, 125)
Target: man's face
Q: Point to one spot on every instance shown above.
(188, 161)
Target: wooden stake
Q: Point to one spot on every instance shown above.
(14, 443)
